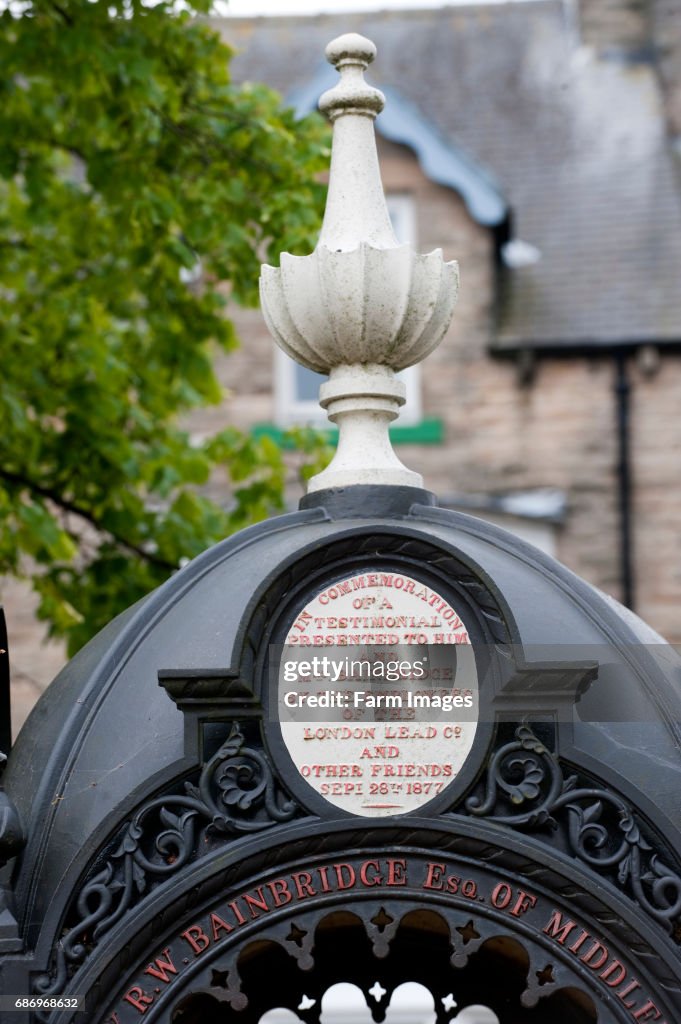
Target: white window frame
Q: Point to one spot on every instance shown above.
(291, 410)
(402, 210)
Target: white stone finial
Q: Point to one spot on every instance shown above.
(361, 307)
(354, 161)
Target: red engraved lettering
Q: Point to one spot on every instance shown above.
(138, 998)
(502, 894)
(598, 950)
(196, 937)
(363, 873)
(345, 873)
(647, 1009)
(302, 621)
(303, 883)
(605, 975)
(627, 991)
(579, 941)
(523, 903)
(557, 929)
(397, 872)
(161, 968)
(281, 894)
(257, 902)
(237, 913)
(325, 881)
(218, 925)
(434, 876)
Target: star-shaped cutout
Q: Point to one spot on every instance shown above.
(218, 979)
(296, 935)
(382, 920)
(449, 1002)
(377, 991)
(468, 932)
(545, 976)
(306, 1003)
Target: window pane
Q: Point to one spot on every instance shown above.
(307, 384)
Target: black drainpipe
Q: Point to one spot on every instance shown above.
(526, 355)
(624, 481)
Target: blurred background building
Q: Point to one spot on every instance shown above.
(539, 144)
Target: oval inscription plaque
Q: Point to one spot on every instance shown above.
(378, 693)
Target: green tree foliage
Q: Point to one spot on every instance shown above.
(128, 159)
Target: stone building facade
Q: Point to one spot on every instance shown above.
(571, 113)
(568, 116)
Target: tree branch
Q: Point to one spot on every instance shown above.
(61, 12)
(68, 506)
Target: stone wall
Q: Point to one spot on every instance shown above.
(615, 25)
(666, 34)
(647, 30)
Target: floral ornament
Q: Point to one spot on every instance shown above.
(526, 789)
(236, 793)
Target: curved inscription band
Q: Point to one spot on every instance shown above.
(476, 899)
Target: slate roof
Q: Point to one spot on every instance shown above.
(576, 143)
(441, 160)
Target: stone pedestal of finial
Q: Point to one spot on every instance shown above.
(361, 307)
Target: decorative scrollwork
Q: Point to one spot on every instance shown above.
(526, 789)
(236, 792)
